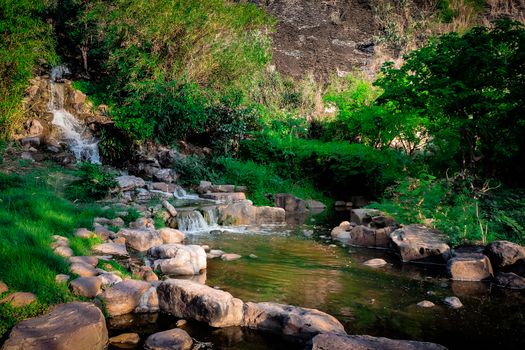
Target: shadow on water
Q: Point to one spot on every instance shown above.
(312, 272)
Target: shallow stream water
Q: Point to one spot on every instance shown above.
(312, 272)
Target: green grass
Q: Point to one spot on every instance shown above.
(32, 210)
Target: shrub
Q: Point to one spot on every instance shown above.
(94, 183)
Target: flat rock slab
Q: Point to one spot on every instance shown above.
(191, 300)
(289, 320)
(79, 326)
(366, 342)
(419, 243)
(173, 339)
(88, 287)
(126, 183)
(140, 239)
(124, 297)
(225, 197)
(89, 260)
(111, 249)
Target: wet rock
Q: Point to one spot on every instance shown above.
(124, 297)
(453, 302)
(290, 203)
(84, 233)
(363, 216)
(88, 287)
(88, 260)
(225, 197)
(127, 183)
(79, 326)
(149, 301)
(504, 253)
(19, 299)
(177, 259)
(170, 235)
(289, 320)
(61, 278)
(170, 208)
(140, 240)
(173, 339)
(366, 342)
(416, 242)
(375, 263)
(509, 280)
(125, 340)
(191, 300)
(230, 257)
(469, 267)
(426, 304)
(83, 270)
(111, 249)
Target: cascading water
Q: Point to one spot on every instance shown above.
(191, 221)
(211, 216)
(75, 134)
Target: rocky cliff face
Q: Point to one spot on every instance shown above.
(321, 37)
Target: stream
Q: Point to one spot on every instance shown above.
(299, 265)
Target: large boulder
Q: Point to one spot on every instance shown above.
(504, 253)
(366, 342)
(87, 287)
(270, 215)
(140, 240)
(290, 203)
(178, 259)
(225, 197)
(289, 320)
(361, 235)
(419, 243)
(127, 182)
(191, 300)
(363, 216)
(469, 266)
(124, 297)
(245, 213)
(509, 280)
(170, 235)
(173, 339)
(79, 326)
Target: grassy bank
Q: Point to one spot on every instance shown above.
(33, 208)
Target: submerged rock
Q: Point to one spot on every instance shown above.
(289, 320)
(191, 300)
(173, 339)
(416, 243)
(366, 342)
(79, 326)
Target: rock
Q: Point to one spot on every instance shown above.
(127, 183)
(124, 297)
(33, 141)
(109, 279)
(84, 233)
(65, 252)
(204, 187)
(170, 208)
(34, 127)
(102, 221)
(79, 326)
(83, 270)
(88, 287)
(289, 320)
(111, 249)
(19, 299)
(509, 280)
(140, 240)
(173, 339)
(315, 205)
(366, 342)
(214, 253)
(164, 175)
(191, 300)
(61, 278)
(164, 187)
(205, 247)
(453, 302)
(425, 304)
(149, 301)
(27, 156)
(125, 340)
(177, 259)
(416, 242)
(382, 221)
(143, 224)
(340, 204)
(363, 216)
(270, 215)
(230, 257)
(469, 267)
(102, 232)
(290, 203)
(3, 287)
(146, 273)
(253, 256)
(363, 236)
(117, 222)
(225, 197)
(88, 260)
(342, 232)
(375, 263)
(170, 235)
(504, 253)
(181, 323)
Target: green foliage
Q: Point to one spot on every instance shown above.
(26, 40)
(470, 87)
(94, 183)
(193, 169)
(116, 146)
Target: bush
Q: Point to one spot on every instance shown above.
(94, 183)
(193, 169)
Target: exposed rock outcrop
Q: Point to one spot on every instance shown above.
(419, 243)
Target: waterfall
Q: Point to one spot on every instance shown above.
(180, 193)
(76, 135)
(191, 221)
(211, 215)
